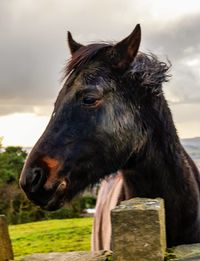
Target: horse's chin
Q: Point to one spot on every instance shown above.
(53, 204)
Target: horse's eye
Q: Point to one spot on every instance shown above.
(89, 101)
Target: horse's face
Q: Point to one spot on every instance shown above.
(89, 134)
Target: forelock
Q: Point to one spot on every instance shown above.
(83, 56)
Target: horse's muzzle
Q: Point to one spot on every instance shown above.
(43, 186)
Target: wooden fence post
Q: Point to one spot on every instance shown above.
(6, 252)
(138, 230)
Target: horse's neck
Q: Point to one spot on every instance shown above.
(162, 172)
(169, 173)
(163, 167)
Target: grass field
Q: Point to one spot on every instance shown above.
(51, 236)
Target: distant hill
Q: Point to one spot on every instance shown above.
(192, 146)
(27, 149)
(192, 141)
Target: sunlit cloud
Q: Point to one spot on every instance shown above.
(22, 129)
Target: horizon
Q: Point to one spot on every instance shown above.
(30, 147)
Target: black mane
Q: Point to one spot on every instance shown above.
(149, 71)
(83, 56)
(146, 68)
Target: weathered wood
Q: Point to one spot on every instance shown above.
(6, 252)
(138, 230)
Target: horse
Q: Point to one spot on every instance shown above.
(110, 115)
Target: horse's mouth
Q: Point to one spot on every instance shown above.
(55, 200)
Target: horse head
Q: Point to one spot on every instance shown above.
(96, 125)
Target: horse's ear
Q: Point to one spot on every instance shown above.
(73, 45)
(125, 51)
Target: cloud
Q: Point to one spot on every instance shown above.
(180, 37)
(39, 107)
(180, 42)
(33, 46)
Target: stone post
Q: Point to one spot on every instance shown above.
(6, 252)
(138, 230)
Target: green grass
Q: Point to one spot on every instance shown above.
(51, 236)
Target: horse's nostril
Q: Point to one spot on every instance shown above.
(38, 178)
(37, 174)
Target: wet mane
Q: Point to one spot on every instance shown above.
(149, 71)
(83, 56)
(145, 69)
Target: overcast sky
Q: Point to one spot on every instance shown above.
(33, 51)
